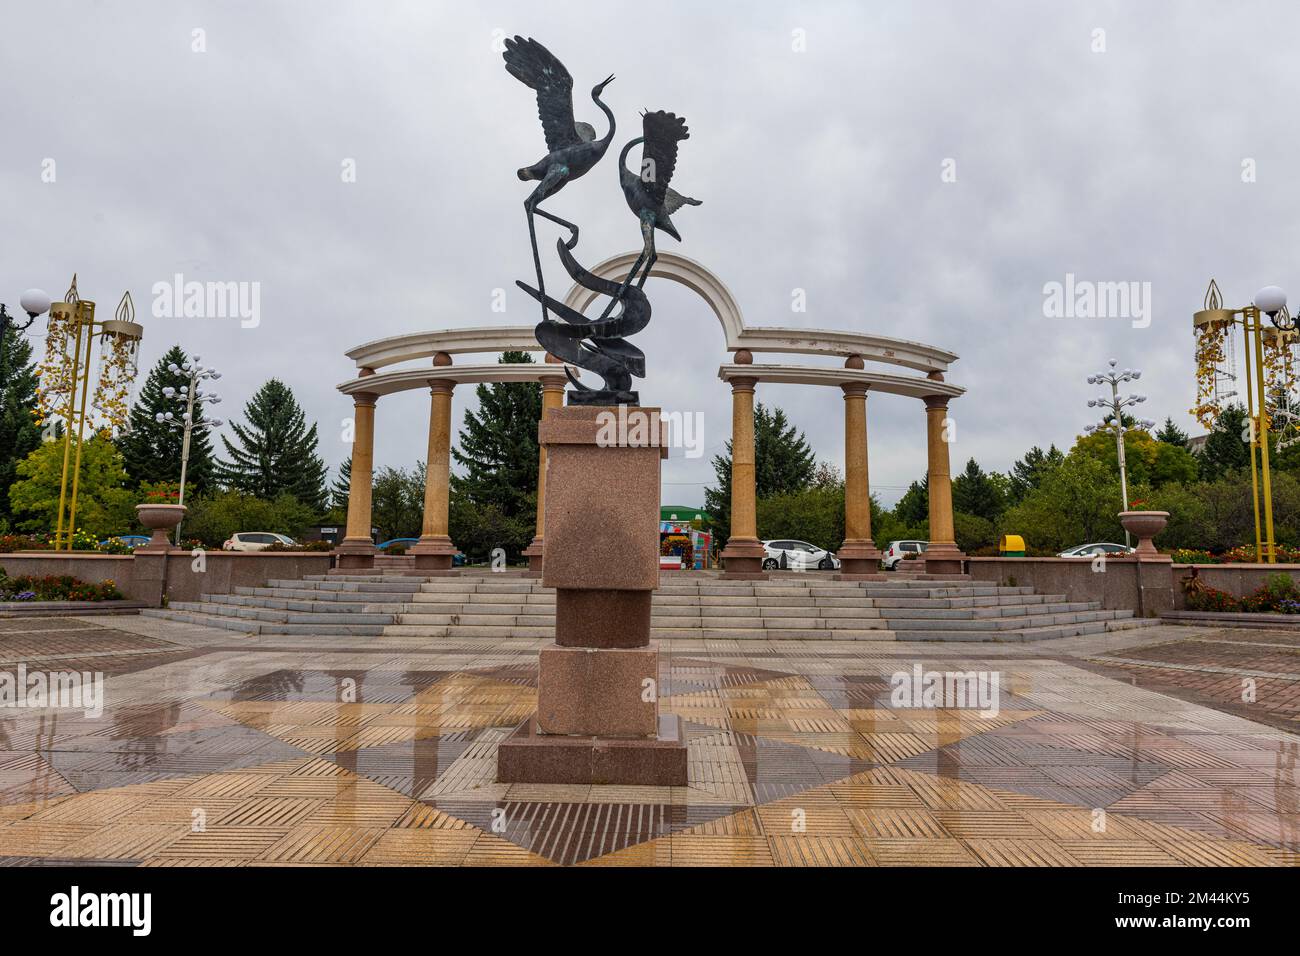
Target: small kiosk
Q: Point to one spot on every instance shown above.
(683, 542)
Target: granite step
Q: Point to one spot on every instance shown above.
(272, 615)
(246, 626)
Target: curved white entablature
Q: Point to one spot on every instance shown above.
(386, 383)
(419, 345)
(871, 348)
(908, 385)
(688, 272)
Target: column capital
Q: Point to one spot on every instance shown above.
(743, 383)
(365, 398)
(855, 389)
(441, 386)
(936, 401)
(553, 384)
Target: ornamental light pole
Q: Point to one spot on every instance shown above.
(1271, 353)
(35, 303)
(189, 396)
(1113, 419)
(70, 336)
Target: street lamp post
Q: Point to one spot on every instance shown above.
(71, 336)
(35, 303)
(1113, 419)
(1214, 320)
(189, 396)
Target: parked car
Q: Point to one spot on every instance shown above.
(899, 550)
(255, 541)
(404, 542)
(1096, 548)
(799, 556)
(130, 540)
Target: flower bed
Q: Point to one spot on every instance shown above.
(55, 587)
(1280, 595)
(81, 541)
(1242, 554)
(313, 547)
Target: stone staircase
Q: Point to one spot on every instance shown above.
(809, 606)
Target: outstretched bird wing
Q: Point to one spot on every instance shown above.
(536, 67)
(663, 131)
(673, 201)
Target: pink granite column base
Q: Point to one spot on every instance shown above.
(353, 555)
(858, 557)
(433, 553)
(536, 555)
(943, 559)
(742, 559)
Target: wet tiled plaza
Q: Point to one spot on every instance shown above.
(215, 748)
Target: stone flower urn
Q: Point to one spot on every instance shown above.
(1144, 525)
(161, 520)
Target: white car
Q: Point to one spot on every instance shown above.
(799, 556)
(255, 541)
(899, 550)
(1096, 548)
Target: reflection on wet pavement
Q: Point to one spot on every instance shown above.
(211, 752)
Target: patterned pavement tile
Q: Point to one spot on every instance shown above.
(290, 753)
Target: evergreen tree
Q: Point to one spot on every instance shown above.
(152, 449)
(397, 502)
(783, 461)
(1171, 434)
(342, 486)
(275, 453)
(783, 464)
(976, 493)
(498, 446)
(19, 433)
(1028, 473)
(914, 507)
(1227, 448)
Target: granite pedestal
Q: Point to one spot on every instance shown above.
(598, 717)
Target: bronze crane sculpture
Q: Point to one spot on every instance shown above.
(648, 193)
(572, 147)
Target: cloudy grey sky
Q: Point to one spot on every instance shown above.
(821, 169)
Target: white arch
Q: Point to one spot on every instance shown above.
(693, 275)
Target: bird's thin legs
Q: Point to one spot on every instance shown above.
(650, 263)
(647, 249)
(551, 182)
(573, 229)
(537, 259)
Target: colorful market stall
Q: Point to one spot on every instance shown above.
(684, 544)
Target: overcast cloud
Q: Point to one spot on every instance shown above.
(820, 170)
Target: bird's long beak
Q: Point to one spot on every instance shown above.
(606, 81)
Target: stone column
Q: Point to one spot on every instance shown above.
(858, 554)
(434, 550)
(552, 397)
(357, 550)
(943, 555)
(743, 555)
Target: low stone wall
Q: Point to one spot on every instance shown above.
(140, 576)
(88, 567)
(1236, 579)
(1117, 586)
(1143, 587)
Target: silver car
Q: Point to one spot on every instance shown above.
(255, 541)
(899, 550)
(1096, 548)
(799, 556)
